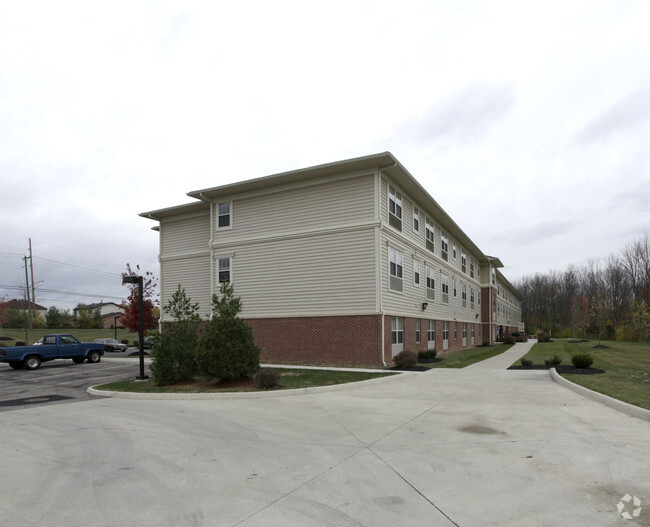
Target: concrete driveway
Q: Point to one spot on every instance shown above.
(475, 447)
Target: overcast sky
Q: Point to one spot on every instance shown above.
(528, 122)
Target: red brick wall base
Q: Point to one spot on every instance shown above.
(335, 341)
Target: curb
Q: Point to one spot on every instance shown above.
(626, 408)
(246, 395)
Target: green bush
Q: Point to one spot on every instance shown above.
(582, 360)
(174, 351)
(406, 359)
(543, 337)
(267, 378)
(486, 343)
(552, 362)
(526, 363)
(227, 349)
(521, 338)
(429, 354)
(508, 339)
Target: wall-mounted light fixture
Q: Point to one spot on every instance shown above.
(424, 305)
(476, 315)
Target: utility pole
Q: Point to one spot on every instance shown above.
(27, 300)
(31, 265)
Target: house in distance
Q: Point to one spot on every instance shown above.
(346, 263)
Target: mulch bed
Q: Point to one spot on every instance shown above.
(561, 369)
(414, 368)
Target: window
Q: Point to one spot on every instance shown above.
(395, 263)
(416, 219)
(445, 288)
(397, 330)
(463, 294)
(453, 248)
(444, 245)
(464, 330)
(417, 330)
(223, 213)
(430, 234)
(416, 271)
(494, 277)
(431, 332)
(455, 293)
(224, 270)
(456, 331)
(431, 283)
(471, 267)
(445, 331)
(471, 298)
(463, 261)
(394, 208)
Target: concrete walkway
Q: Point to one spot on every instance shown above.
(504, 360)
(470, 447)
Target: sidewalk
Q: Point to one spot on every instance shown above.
(504, 360)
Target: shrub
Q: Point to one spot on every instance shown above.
(406, 359)
(267, 378)
(516, 334)
(509, 339)
(486, 343)
(429, 354)
(174, 352)
(552, 362)
(543, 337)
(125, 341)
(521, 338)
(526, 363)
(227, 349)
(582, 360)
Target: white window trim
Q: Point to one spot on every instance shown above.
(230, 215)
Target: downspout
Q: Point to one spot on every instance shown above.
(210, 243)
(379, 268)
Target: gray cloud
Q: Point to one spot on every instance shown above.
(626, 114)
(462, 117)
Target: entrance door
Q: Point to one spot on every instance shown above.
(445, 336)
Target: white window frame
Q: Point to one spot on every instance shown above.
(395, 269)
(416, 219)
(418, 325)
(444, 245)
(431, 333)
(471, 267)
(227, 214)
(454, 249)
(463, 260)
(431, 282)
(444, 279)
(463, 293)
(416, 272)
(430, 234)
(397, 330)
(395, 207)
(221, 268)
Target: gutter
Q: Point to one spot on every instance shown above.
(379, 290)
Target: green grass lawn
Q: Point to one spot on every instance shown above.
(626, 365)
(462, 358)
(84, 335)
(291, 378)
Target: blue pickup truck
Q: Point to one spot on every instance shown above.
(52, 347)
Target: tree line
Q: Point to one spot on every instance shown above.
(608, 296)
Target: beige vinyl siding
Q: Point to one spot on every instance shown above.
(193, 274)
(317, 274)
(187, 235)
(409, 301)
(329, 204)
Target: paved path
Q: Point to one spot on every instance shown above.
(470, 447)
(504, 360)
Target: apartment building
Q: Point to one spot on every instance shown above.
(344, 263)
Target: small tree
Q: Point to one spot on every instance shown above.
(227, 349)
(579, 306)
(640, 320)
(174, 350)
(599, 312)
(131, 317)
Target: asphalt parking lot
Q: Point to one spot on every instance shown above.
(59, 381)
